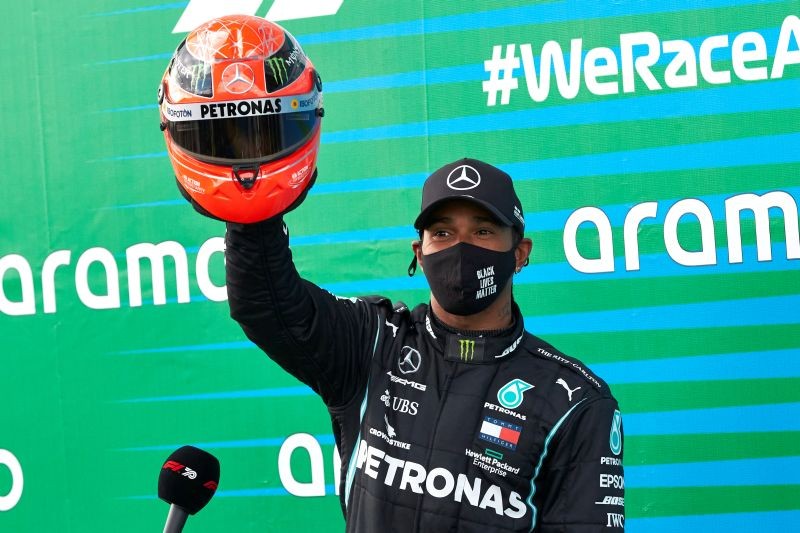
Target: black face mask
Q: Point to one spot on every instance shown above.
(465, 279)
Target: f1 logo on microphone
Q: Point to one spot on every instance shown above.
(176, 467)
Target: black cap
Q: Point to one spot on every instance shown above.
(476, 181)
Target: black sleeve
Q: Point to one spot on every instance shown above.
(324, 341)
(583, 485)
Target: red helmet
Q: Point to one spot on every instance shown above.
(241, 111)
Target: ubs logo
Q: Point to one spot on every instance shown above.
(409, 360)
(401, 405)
(463, 178)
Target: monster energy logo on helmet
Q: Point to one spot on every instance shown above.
(194, 77)
(277, 66)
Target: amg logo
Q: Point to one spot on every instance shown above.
(407, 382)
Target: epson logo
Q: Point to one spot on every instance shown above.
(613, 481)
(10, 500)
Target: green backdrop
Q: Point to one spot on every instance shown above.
(656, 154)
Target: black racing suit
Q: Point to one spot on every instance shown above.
(437, 432)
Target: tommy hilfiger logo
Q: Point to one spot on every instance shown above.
(500, 432)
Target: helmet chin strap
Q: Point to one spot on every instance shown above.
(247, 183)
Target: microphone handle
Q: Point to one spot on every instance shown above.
(176, 519)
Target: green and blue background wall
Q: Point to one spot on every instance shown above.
(656, 150)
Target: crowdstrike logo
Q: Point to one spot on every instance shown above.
(200, 11)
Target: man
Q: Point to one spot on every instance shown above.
(450, 416)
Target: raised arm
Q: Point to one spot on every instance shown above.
(325, 341)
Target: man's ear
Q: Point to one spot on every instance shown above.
(416, 247)
(522, 252)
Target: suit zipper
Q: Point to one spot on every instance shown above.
(444, 395)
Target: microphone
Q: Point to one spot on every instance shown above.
(187, 482)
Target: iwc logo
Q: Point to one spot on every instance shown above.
(463, 178)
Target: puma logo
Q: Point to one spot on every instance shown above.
(560, 381)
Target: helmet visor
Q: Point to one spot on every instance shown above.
(243, 130)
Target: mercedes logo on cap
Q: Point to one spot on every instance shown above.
(463, 178)
(238, 78)
(409, 360)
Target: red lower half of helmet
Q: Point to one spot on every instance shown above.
(246, 193)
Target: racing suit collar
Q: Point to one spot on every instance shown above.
(477, 348)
